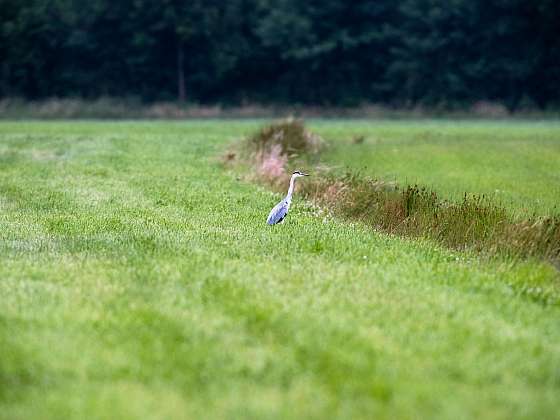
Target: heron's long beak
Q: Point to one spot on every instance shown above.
(304, 174)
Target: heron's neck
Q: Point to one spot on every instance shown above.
(291, 189)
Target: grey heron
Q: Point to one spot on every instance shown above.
(280, 210)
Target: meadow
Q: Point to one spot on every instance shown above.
(514, 163)
(139, 280)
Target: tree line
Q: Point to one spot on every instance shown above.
(330, 52)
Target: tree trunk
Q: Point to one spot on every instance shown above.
(181, 91)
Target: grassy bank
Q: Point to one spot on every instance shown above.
(138, 280)
(476, 222)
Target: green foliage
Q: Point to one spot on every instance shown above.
(446, 54)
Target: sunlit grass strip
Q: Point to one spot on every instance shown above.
(475, 223)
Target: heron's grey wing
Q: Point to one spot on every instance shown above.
(278, 213)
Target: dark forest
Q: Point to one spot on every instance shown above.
(448, 53)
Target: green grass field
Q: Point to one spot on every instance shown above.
(138, 280)
(513, 163)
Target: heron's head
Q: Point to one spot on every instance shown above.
(297, 174)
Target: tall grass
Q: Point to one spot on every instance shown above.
(475, 223)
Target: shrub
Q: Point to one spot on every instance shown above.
(290, 135)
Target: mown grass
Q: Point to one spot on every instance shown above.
(515, 163)
(139, 280)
